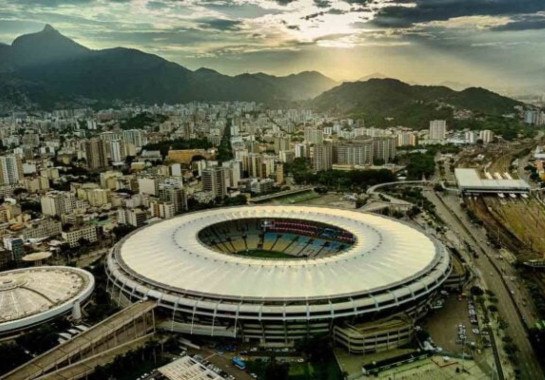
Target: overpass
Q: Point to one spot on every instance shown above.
(87, 366)
(129, 324)
(372, 189)
(280, 194)
(535, 263)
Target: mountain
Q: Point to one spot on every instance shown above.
(372, 76)
(45, 47)
(51, 63)
(412, 105)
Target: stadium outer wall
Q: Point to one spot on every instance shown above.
(284, 320)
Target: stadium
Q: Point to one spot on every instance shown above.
(32, 296)
(281, 273)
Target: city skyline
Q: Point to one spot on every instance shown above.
(458, 43)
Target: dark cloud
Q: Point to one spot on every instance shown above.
(157, 5)
(335, 11)
(313, 15)
(219, 24)
(284, 2)
(230, 9)
(397, 16)
(530, 22)
(49, 3)
(322, 3)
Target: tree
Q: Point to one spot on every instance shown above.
(316, 348)
(19, 191)
(276, 370)
(476, 291)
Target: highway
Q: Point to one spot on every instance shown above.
(490, 276)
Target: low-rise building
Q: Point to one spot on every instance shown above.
(73, 236)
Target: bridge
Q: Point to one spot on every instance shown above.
(127, 325)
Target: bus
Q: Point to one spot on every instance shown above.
(239, 363)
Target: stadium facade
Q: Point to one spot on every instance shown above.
(281, 273)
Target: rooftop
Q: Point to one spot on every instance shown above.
(470, 178)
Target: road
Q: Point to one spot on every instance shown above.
(490, 276)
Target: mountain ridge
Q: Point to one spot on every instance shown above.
(61, 66)
(414, 105)
(48, 69)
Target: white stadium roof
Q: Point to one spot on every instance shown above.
(170, 255)
(32, 295)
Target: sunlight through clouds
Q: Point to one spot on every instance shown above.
(233, 36)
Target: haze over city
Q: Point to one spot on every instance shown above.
(458, 43)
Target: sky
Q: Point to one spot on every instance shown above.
(499, 44)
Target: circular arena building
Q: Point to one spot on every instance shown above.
(35, 295)
(279, 273)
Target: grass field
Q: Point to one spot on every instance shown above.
(262, 254)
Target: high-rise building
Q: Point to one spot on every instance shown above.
(279, 173)
(135, 217)
(486, 135)
(17, 248)
(384, 149)
(314, 135)
(301, 150)
(173, 192)
(322, 158)
(117, 151)
(11, 169)
(135, 137)
(254, 165)
(148, 186)
(95, 153)
(470, 137)
(286, 156)
(233, 172)
(213, 180)
(161, 209)
(358, 152)
(438, 130)
(407, 139)
(58, 203)
(281, 143)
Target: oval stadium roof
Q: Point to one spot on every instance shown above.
(386, 253)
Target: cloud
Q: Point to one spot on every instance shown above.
(322, 3)
(422, 11)
(50, 3)
(260, 34)
(521, 23)
(220, 24)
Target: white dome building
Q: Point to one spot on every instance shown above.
(31, 296)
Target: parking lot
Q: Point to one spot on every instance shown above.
(452, 324)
